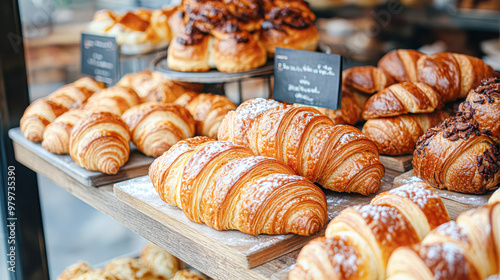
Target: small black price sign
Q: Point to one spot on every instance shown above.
(100, 58)
(308, 78)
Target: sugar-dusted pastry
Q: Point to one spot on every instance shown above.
(160, 262)
(74, 271)
(100, 142)
(187, 274)
(339, 157)
(128, 269)
(155, 127)
(225, 186)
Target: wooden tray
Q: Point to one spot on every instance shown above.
(455, 202)
(136, 166)
(246, 250)
(397, 163)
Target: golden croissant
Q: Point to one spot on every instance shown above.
(339, 157)
(115, 99)
(155, 127)
(466, 249)
(100, 142)
(359, 241)
(56, 134)
(225, 186)
(208, 111)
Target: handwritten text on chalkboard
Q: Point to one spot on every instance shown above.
(308, 78)
(100, 58)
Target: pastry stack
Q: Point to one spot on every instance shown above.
(154, 263)
(97, 130)
(467, 249)
(463, 153)
(237, 35)
(410, 88)
(360, 240)
(136, 32)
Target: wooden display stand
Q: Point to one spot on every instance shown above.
(221, 255)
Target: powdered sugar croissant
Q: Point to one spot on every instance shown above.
(100, 142)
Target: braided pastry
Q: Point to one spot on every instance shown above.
(99, 142)
(155, 127)
(208, 111)
(360, 240)
(226, 187)
(339, 157)
(401, 65)
(56, 134)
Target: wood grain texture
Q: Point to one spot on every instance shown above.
(455, 202)
(397, 163)
(244, 249)
(136, 166)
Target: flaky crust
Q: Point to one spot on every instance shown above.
(189, 58)
(99, 142)
(208, 111)
(37, 116)
(155, 127)
(232, 54)
(366, 79)
(339, 157)
(74, 271)
(56, 134)
(452, 75)
(457, 156)
(350, 110)
(115, 100)
(399, 135)
(401, 64)
(226, 187)
(401, 99)
(290, 38)
(483, 105)
(160, 262)
(187, 274)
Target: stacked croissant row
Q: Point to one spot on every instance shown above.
(360, 240)
(468, 248)
(408, 88)
(97, 132)
(136, 32)
(338, 157)
(237, 35)
(463, 153)
(226, 187)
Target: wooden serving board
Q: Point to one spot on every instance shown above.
(397, 163)
(246, 250)
(455, 202)
(136, 166)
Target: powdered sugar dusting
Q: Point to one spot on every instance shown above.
(349, 137)
(385, 222)
(415, 192)
(452, 230)
(249, 111)
(203, 157)
(446, 260)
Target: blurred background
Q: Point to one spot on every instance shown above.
(360, 30)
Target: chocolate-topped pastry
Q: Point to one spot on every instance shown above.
(463, 153)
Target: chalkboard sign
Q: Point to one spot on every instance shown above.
(100, 58)
(308, 78)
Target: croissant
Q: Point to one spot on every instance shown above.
(37, 116)
(457, 156)
(366, 79)
(208, 111)
(467, 249)
(483, 105)
(400, 99)
(99, 142)
(226, 187)
(155, 127)
(452, 75)
(88, 84)
(494, 197)
(70, 96)
(350, 110)
(399, 135)
(360, 240)
(401, 65)
(152, 86)
(339, 158)
(56, 134)
(115, 100)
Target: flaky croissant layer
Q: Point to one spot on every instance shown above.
(226, 187)
(339, 157)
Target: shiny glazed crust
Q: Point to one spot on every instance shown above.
(366, 79)
(339, 157)
(226, 187)
(399, 135)
(100, 142)
(401, 64)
